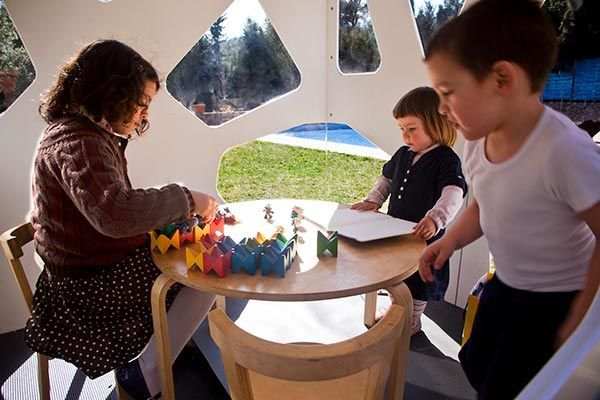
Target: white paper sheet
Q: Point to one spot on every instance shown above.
(362, 226)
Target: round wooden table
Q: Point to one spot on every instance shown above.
(358, 268)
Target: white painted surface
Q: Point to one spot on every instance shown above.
(164, 32)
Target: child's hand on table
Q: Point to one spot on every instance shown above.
(365, 206)
(206, 205)
(425, 229)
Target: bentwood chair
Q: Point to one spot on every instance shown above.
(357, 368)
(13, 241)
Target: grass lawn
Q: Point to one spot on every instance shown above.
(262, 170)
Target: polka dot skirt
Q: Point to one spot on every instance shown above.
(97, 322)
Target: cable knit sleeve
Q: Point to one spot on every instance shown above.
(91, 170)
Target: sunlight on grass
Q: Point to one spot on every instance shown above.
(262, 170)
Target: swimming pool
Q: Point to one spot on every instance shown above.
(338, 133)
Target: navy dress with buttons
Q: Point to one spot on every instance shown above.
(415, 189)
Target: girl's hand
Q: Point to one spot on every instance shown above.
(206, 205)
(365, 206)
(425, 229)
(434, 256)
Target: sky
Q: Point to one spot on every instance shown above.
(239, 10)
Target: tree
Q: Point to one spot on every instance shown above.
(358, 50)
(427, 23)
(193, 75)
(578, 32)
(13, 55)
(352, 12)
(288, 76)
(216, 33)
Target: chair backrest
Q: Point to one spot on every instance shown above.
(356, 367)
(12, 242)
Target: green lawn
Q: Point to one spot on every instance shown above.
(260, 170)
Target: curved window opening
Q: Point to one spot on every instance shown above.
(16, 69)
(311, 161)
(430, 15)
(357, 44)
(239, 64)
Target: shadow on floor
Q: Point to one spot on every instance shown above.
(198, 372)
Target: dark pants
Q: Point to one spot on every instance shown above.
(513, 337)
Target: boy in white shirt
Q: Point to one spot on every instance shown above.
(535, 179)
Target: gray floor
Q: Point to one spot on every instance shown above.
(433, 372)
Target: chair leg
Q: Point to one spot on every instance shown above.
(43, 377)
(370, 308)
(220, 302)
(121, 393)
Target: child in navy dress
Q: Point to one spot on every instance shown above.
(425, 183)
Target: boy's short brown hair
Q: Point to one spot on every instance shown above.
(423, 103)
(517, 31)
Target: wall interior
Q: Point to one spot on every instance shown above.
(52, 31)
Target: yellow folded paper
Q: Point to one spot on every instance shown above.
(163, 243)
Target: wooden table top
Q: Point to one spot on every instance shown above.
(359, 267)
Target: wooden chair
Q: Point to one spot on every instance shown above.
(357, 368)
(13, 241)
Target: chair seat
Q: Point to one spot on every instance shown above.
(346, 388)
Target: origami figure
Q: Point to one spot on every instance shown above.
(327, 243)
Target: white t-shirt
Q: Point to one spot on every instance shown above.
(529, 205)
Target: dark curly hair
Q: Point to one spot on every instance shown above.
(106, 77)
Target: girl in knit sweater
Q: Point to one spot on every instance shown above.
(92, 300)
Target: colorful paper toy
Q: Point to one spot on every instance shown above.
(242, 258)
(193, 257)
(226, 243)
(250, 243)
(204, 230)
(268, 213)
(260, 238)
(209, 241)
(162, 242)
(280, 239)
(217, 261)
(217, 227)
(191, 236)
(273, 260)
(212, 260)
(278, 256)
(327, 243)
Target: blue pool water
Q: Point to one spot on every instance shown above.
(338, 133)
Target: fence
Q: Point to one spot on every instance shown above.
(581, 84)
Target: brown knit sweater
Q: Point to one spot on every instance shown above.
(85, 212)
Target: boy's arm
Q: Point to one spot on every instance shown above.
(465, 230)
(584, 299)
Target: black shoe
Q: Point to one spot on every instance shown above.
(132, 380)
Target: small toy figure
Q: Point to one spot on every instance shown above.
(268, 213)
(227, 216)
(297, 217)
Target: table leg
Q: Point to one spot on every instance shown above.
(161, 332)
(370, 308)
(400, 295)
